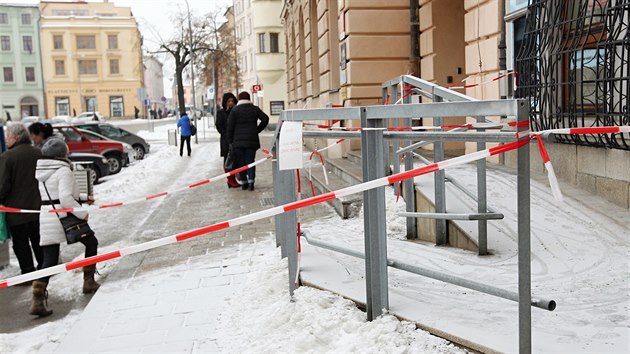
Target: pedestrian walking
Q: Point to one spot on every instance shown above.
(184, 125)
(59, 190)
(159, 113)
(136, 111)
(242, 130)
(18, 189)
(229, 101)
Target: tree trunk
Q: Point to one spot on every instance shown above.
(180, 88)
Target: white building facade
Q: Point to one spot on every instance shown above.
(261, 56)
(154, 82)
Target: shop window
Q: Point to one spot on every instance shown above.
(62, 106)
(116, 108)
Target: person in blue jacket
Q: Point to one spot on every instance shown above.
(184, 125)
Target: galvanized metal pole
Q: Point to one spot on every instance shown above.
(374, 219)
(395, 158)
(441, 232)
(482, 203)
(408, 189)
(524, 242)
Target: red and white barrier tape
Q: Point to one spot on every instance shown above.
(381, 182)
(144, 199)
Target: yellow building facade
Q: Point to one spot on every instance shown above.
(91, 58)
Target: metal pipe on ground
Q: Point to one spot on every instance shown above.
(544, 304)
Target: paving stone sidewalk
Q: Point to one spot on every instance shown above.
(168, 299)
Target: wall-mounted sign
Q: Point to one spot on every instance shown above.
(275, 107)
(256, 88)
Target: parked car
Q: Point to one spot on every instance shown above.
(97, 165)
(77, 142)
(90, 116)
(140, 145)
(29, 120)
(95, 136)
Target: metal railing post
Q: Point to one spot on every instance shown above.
(286, 223)
(393, 157)
(374, 218)
(524, 242)
(408, 187)
(441, 231)
(482, 202)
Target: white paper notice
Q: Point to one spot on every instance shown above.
(290, 149)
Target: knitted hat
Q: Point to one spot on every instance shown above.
(55, 148)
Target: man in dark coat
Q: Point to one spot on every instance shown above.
(19, 189)
(242, 131)
(229, 101)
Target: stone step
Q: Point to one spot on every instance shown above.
(346, 169)
(346, 207)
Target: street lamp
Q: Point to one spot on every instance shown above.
(192, 68)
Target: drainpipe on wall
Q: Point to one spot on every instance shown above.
(414, 52)
(502, 42)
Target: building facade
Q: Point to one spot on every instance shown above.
(154, 82)
(21, 83)
(261, 53)
(570, 57)
(92, 58)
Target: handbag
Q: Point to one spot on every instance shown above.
(74, 228)
(193, 130)
(229, 159)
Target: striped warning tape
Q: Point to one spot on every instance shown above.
(147, 198)
(358, 188)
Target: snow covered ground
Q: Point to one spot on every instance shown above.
(315, 321)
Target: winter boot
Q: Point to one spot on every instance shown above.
(89, 284)
(40, 300)
(231, 180)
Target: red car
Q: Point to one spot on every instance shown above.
(77, 142)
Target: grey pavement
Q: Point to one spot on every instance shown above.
(168, 299)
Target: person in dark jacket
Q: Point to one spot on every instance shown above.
(184, 124)
(19, 189)
(229, 101)
(242, 131)
(40, 133)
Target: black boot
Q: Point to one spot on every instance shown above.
(89, 284)
(251, 186)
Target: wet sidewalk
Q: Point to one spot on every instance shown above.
(168, 299)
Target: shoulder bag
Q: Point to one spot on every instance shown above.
(74, 228)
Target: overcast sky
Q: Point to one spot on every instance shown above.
(155, 15)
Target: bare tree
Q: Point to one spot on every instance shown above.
(220, 67)
(184, 45)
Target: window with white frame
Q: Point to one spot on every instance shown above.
(57, 41)
(262, 45)
(60, 67)
(87, 67)
(274, 43)
(112, 41)
(4, 18)
(29, 73)
(86, 42)
(5, 43)
(7, 74)
(26, 19)
(27, 44)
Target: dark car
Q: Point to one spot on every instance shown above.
(140, 146)
(96, 164)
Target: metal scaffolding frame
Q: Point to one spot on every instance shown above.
(375, 144)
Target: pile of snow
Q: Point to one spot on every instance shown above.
(262, 318)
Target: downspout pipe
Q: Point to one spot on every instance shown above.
(414, 49)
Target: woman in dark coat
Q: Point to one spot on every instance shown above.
(242, 131)
(229, 101)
